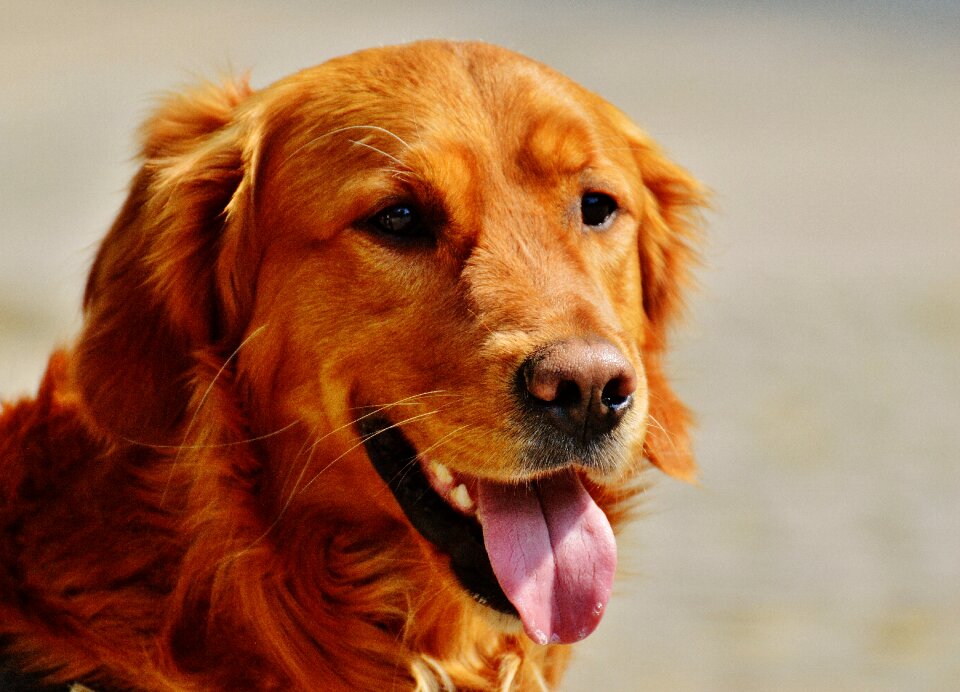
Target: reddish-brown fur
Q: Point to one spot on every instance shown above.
(186, 506)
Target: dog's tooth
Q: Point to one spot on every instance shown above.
(461, 497)
(441, 473)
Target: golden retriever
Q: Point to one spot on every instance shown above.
(370, 366)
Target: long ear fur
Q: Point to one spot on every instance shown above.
(155, 294)
(669, 232)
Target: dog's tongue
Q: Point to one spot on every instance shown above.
(553, 552)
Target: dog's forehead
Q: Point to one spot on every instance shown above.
(435, 94)
(441, 115)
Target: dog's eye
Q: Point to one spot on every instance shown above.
(596, 209)
(398, 220)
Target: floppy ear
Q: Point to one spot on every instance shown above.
(668, 234)
(669, 231)
(160, 288)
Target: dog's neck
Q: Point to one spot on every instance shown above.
(138, 578)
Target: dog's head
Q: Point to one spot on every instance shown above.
(449, 269)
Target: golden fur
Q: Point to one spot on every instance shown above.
(187, 505)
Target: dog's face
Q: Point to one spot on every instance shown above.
(425, 244)
(452, 267)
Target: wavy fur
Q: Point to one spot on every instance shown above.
(185, 504)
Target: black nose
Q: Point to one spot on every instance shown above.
(582, 386)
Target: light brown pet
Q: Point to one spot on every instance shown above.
(370, 366)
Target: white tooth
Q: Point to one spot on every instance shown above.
(441, 473)
(461, 497)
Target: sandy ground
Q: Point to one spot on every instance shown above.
(822, 550)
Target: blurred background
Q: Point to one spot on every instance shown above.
(821, 550)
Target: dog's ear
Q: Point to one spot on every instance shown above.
(669, 234)
(162, 286)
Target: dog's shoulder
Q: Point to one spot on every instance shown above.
(41, 437)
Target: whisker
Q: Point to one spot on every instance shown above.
(666, 433)
(217, 445)
(303, 448)
(363, 441)
(406, 467)
(283, 510)
(382, 130)
(295, 491)
(196, 413)
(416, 126)
(379, 151)
(481, 322)
(445, 438)
(406, 401)
(340, 130)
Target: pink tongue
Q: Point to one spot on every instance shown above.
(553, 552)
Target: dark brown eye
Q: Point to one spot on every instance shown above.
(402, 220)
(597, 209)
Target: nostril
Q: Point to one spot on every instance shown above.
(618, 392)
(615, 395)
(549, 383)
(568, 395)
(542, 385)
(582, 386)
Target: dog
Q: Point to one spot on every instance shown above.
(371, 366)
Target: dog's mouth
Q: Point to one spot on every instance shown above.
(541, 550)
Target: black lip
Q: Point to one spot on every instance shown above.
(458, 536)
